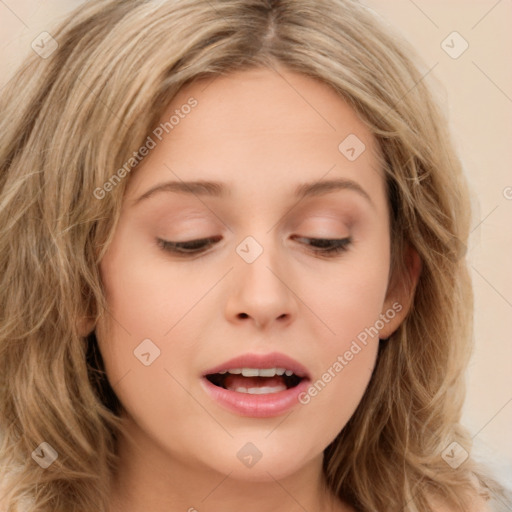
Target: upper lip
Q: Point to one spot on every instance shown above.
(261, 361)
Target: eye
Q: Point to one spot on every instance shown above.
(189, 247)
(327, 246)
(324, 246)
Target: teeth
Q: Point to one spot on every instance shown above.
(250, 372)
(268, 372)
(266, 390)
(258, 372)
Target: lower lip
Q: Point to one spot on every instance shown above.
(256, 406)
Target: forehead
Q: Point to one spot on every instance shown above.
(261, 126)
(262, 99)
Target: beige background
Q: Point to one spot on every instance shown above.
(476, 89)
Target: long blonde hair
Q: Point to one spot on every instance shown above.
(70, 120)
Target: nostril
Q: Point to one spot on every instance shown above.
(243, 315)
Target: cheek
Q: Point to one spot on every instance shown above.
(143, 309)
(145, 302)
(146, 295)
(333, 397)
(349, 296)
(347, 357)
(349, 301)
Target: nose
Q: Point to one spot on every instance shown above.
(261, 293)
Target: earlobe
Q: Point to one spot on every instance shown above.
(400, 294)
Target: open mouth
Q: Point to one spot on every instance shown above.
(255, 381)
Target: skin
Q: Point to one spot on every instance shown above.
(261, 134)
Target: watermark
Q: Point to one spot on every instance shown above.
(507, 193)
(352, 147)
(151, 142)
(249, 455)
(146, 352)
(44, 45)
(454, 455)
(454, 45)
(249, 249)
(45, 455)
(342, 361)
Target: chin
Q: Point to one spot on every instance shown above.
(260, 459)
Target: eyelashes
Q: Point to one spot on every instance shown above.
(328, 247)
(190, 247)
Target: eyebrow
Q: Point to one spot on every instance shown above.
(218, 189)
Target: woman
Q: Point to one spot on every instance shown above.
(233, 267)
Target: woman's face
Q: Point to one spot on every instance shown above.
(261, 164)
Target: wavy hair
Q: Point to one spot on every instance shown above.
(70, 120)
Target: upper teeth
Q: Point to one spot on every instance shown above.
(259, 372)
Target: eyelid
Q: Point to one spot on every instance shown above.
(171, 246)
(336, 245)
(200, 246)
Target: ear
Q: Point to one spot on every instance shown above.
(85, 326)
(400, 293)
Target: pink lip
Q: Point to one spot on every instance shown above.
(258, 406)
(273, 360)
